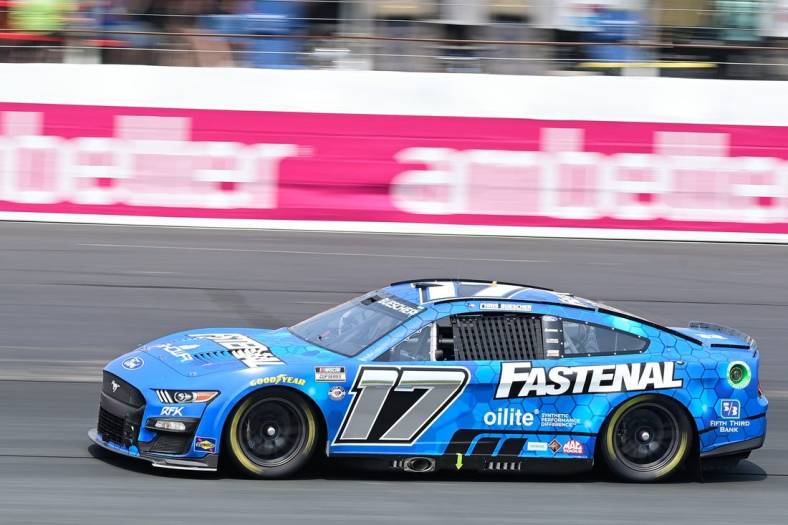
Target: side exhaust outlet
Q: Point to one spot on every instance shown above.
(418, 465)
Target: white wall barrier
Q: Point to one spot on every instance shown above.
(646, 158)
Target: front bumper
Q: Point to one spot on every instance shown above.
(125, 420)
(209, 463)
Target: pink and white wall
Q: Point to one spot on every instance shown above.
(603, 157)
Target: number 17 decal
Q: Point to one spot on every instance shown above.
(395, 405)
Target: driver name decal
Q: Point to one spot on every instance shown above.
(523, 380)
(398, 306)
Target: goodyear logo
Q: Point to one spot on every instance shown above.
(278, 380)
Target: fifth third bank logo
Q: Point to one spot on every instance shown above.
(731, 409)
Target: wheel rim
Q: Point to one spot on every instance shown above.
(646, 437)
(272, 432)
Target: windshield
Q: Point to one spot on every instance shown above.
(349, 328)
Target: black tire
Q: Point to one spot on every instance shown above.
(272, 434)
(647, 438)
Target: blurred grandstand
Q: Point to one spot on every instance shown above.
(687, 38)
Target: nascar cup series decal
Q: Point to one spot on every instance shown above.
(330, 374)
(522, 380)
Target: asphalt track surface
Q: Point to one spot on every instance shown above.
(72, 297)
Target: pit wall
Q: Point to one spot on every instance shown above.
(597, 157)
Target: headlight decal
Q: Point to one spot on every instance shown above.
(182, 397)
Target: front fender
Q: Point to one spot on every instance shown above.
(301, 379)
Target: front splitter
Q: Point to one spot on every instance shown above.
(208, 464)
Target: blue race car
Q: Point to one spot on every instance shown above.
(442, 374)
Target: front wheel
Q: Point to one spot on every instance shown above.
(647, 439)
(272, 434)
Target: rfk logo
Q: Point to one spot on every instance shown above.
(172, 411)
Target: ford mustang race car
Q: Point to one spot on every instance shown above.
(441, 374)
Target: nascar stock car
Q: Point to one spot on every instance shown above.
(439, 374)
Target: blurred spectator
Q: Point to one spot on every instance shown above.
(681, 20)
(269, 26)
(616, 25)
(518, 21)
(461, 21)
(189, 42)
(278, 23)
(227, 20)
(774, 28)
(38, 25)
(571, 24)
(406, 35)
(774, 19)
(737, 23)
(119, 28)
(42, 16)
(398, 20)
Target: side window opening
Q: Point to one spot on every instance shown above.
(582, 339)
(416, 347)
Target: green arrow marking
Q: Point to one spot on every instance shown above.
(459, 461)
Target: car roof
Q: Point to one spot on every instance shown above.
(433, 291)
(424, 291)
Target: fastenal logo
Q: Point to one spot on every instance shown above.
(524, 380)
(506, 417)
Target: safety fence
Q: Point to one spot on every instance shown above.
(674, 38)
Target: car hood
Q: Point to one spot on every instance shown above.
(195, 353)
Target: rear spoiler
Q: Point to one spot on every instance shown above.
(727, 331)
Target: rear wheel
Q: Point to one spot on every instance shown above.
(272, 434)
(647, 439)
